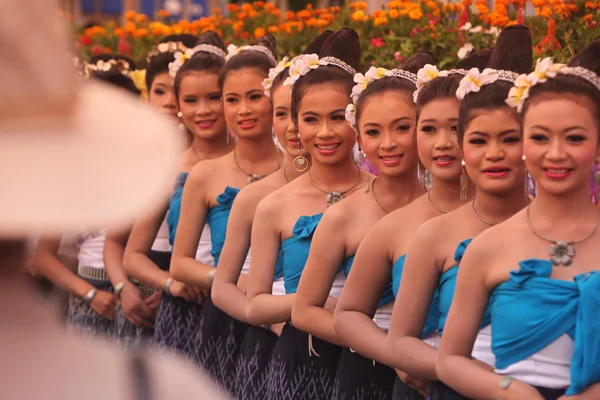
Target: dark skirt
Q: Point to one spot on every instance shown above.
(359, 378)
(404, 392)
(253, 363)
(177, 325)
(551, 394)
(296, 374)
(440, 391)
(219, 343)
(128, 334)
(82, 318)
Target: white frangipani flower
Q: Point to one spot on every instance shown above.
(464, 51)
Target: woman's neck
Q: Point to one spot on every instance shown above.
(497, 208)
(256, 150)
(334, 177)
(446, 194)
(399, 190)
(206, 149)
(569, 210)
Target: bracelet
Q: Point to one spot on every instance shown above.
(211, 277)
(89, 297)
(167, 286)
(505, 382)
(118, 289)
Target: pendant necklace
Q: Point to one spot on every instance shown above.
(477, 215)
(433, 205)
(561, 252)
(372, 189)
(255, 177)
(334, 196)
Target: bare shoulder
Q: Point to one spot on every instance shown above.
(494, 242)
(339, 214)
(270, 205)
(252, 194)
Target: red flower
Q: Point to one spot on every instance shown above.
(377, 42)
(520, 17)
(124, 47)
(97, 49)
(86, 41)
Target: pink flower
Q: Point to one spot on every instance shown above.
(398, 57)
(377, 42)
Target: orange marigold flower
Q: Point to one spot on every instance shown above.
(311, 22)
(246, 7)
(217, 10)
(238, 26)
(273, 29)
(309, 6)
(108, 49)
(141, 18)
(591, 5)
(233, 8)
(416, 14)
(335, 9)
(432, 4)
(163, 13)
(381, 21)
(130, 15)
(119, 32)
(587, 18)
(482, 9)
(241, 16)
(327, 16)
(252, 13)
(259, 32)
(359, 16)
(290, 16)
(466, 3)
(538, 3)
(361, 5)
(545, 12)
(394, 14)
(458, 7)
(321, 23)
(394, 4)
(304, 14)
(270, 6)
(276, 13)
(129, 27)
(140, 33)
(259, 4)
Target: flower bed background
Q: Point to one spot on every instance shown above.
(560, 28)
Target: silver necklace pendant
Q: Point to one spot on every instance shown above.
(333, 197)
(562, 253)
(253, 178)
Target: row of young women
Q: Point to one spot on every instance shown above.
(334, 249)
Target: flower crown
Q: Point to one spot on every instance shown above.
(267, 83)
(545, 69)
(182, 56)
(475, 80)
(430, 72)
(307, 62)
(168, 47)
(233, 50)
(363, 81)
(121, 66)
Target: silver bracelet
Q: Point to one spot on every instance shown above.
(89, 297)
(167, 286)
(211, 277)
(505, 382)
(118, 289)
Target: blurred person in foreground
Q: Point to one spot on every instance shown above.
(67, 158)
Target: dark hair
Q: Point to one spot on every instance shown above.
(114, 76)
(201, 60)
(413, 64)
(159, 63)
(252, 59)
(313, 48)
(343, 45)
(588, 58)
(513, 53)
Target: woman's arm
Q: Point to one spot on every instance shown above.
(136, 262)
(225, 292)
(194, 209)
(420, 276)
(326, 255)
(261, 306)
(454, 364)
(134, 307)
(370, 274)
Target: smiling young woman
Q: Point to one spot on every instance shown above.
(543, 296)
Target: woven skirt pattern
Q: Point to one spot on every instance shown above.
(404, 392)
(219, 344)
(359, 378)
(82, 318)
(177, 325)
(253, 364)
(296, 374)
(128, 334)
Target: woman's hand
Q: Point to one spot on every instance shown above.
(420, 385)
(180, 289)
(135, 308)
(105, 304)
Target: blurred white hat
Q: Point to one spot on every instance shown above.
(71, 154)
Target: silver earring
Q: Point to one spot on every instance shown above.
(464, 182)
(523, 157)
(179, 114)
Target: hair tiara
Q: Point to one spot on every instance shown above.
(430, 72)
(121, 66)
(545, 69)
(182, 56)
(304, 63)
(267, 83)
(167, 47)
(363, 81)
(233, 50)
(475, 80)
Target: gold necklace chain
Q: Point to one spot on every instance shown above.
(255, 177)
(477, 215)
(334, 196)
(285, 175)
(433, 205)
(375, 197)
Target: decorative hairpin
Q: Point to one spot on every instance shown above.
(363, 81)
(430, 72)
(545, 69)
(121, 66)
(182, 56)
(168, 47)
(267, 83)
(233, 50)
(475, 80)
(306, 62)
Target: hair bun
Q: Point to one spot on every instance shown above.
(476, 59)
(212, 38)
(316, 45)
(186, 39)
(343, 45)
(513, 51)
(269, 42)
(417, 61)
(588, 57)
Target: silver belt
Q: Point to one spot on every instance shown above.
(96, 274)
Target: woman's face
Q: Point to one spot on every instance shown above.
(322, 125)
(436, 139)
(560, 142)
(493, 151)
(162, 95)
(247, 108)
(387, 124)
(286, 132)
(201, 106)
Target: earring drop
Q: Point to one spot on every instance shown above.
(360, 156)
(464, 182)
(523, 157)
(179, 114)
(597, 173)
(300, 163)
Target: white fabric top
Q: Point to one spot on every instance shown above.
(91, 251)
(246, 266)
(482, 348)
(204, 247)
(383, 316)
(338, 285)
(433, 340)
(161, 243)
(278, 287)
(549, 368)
